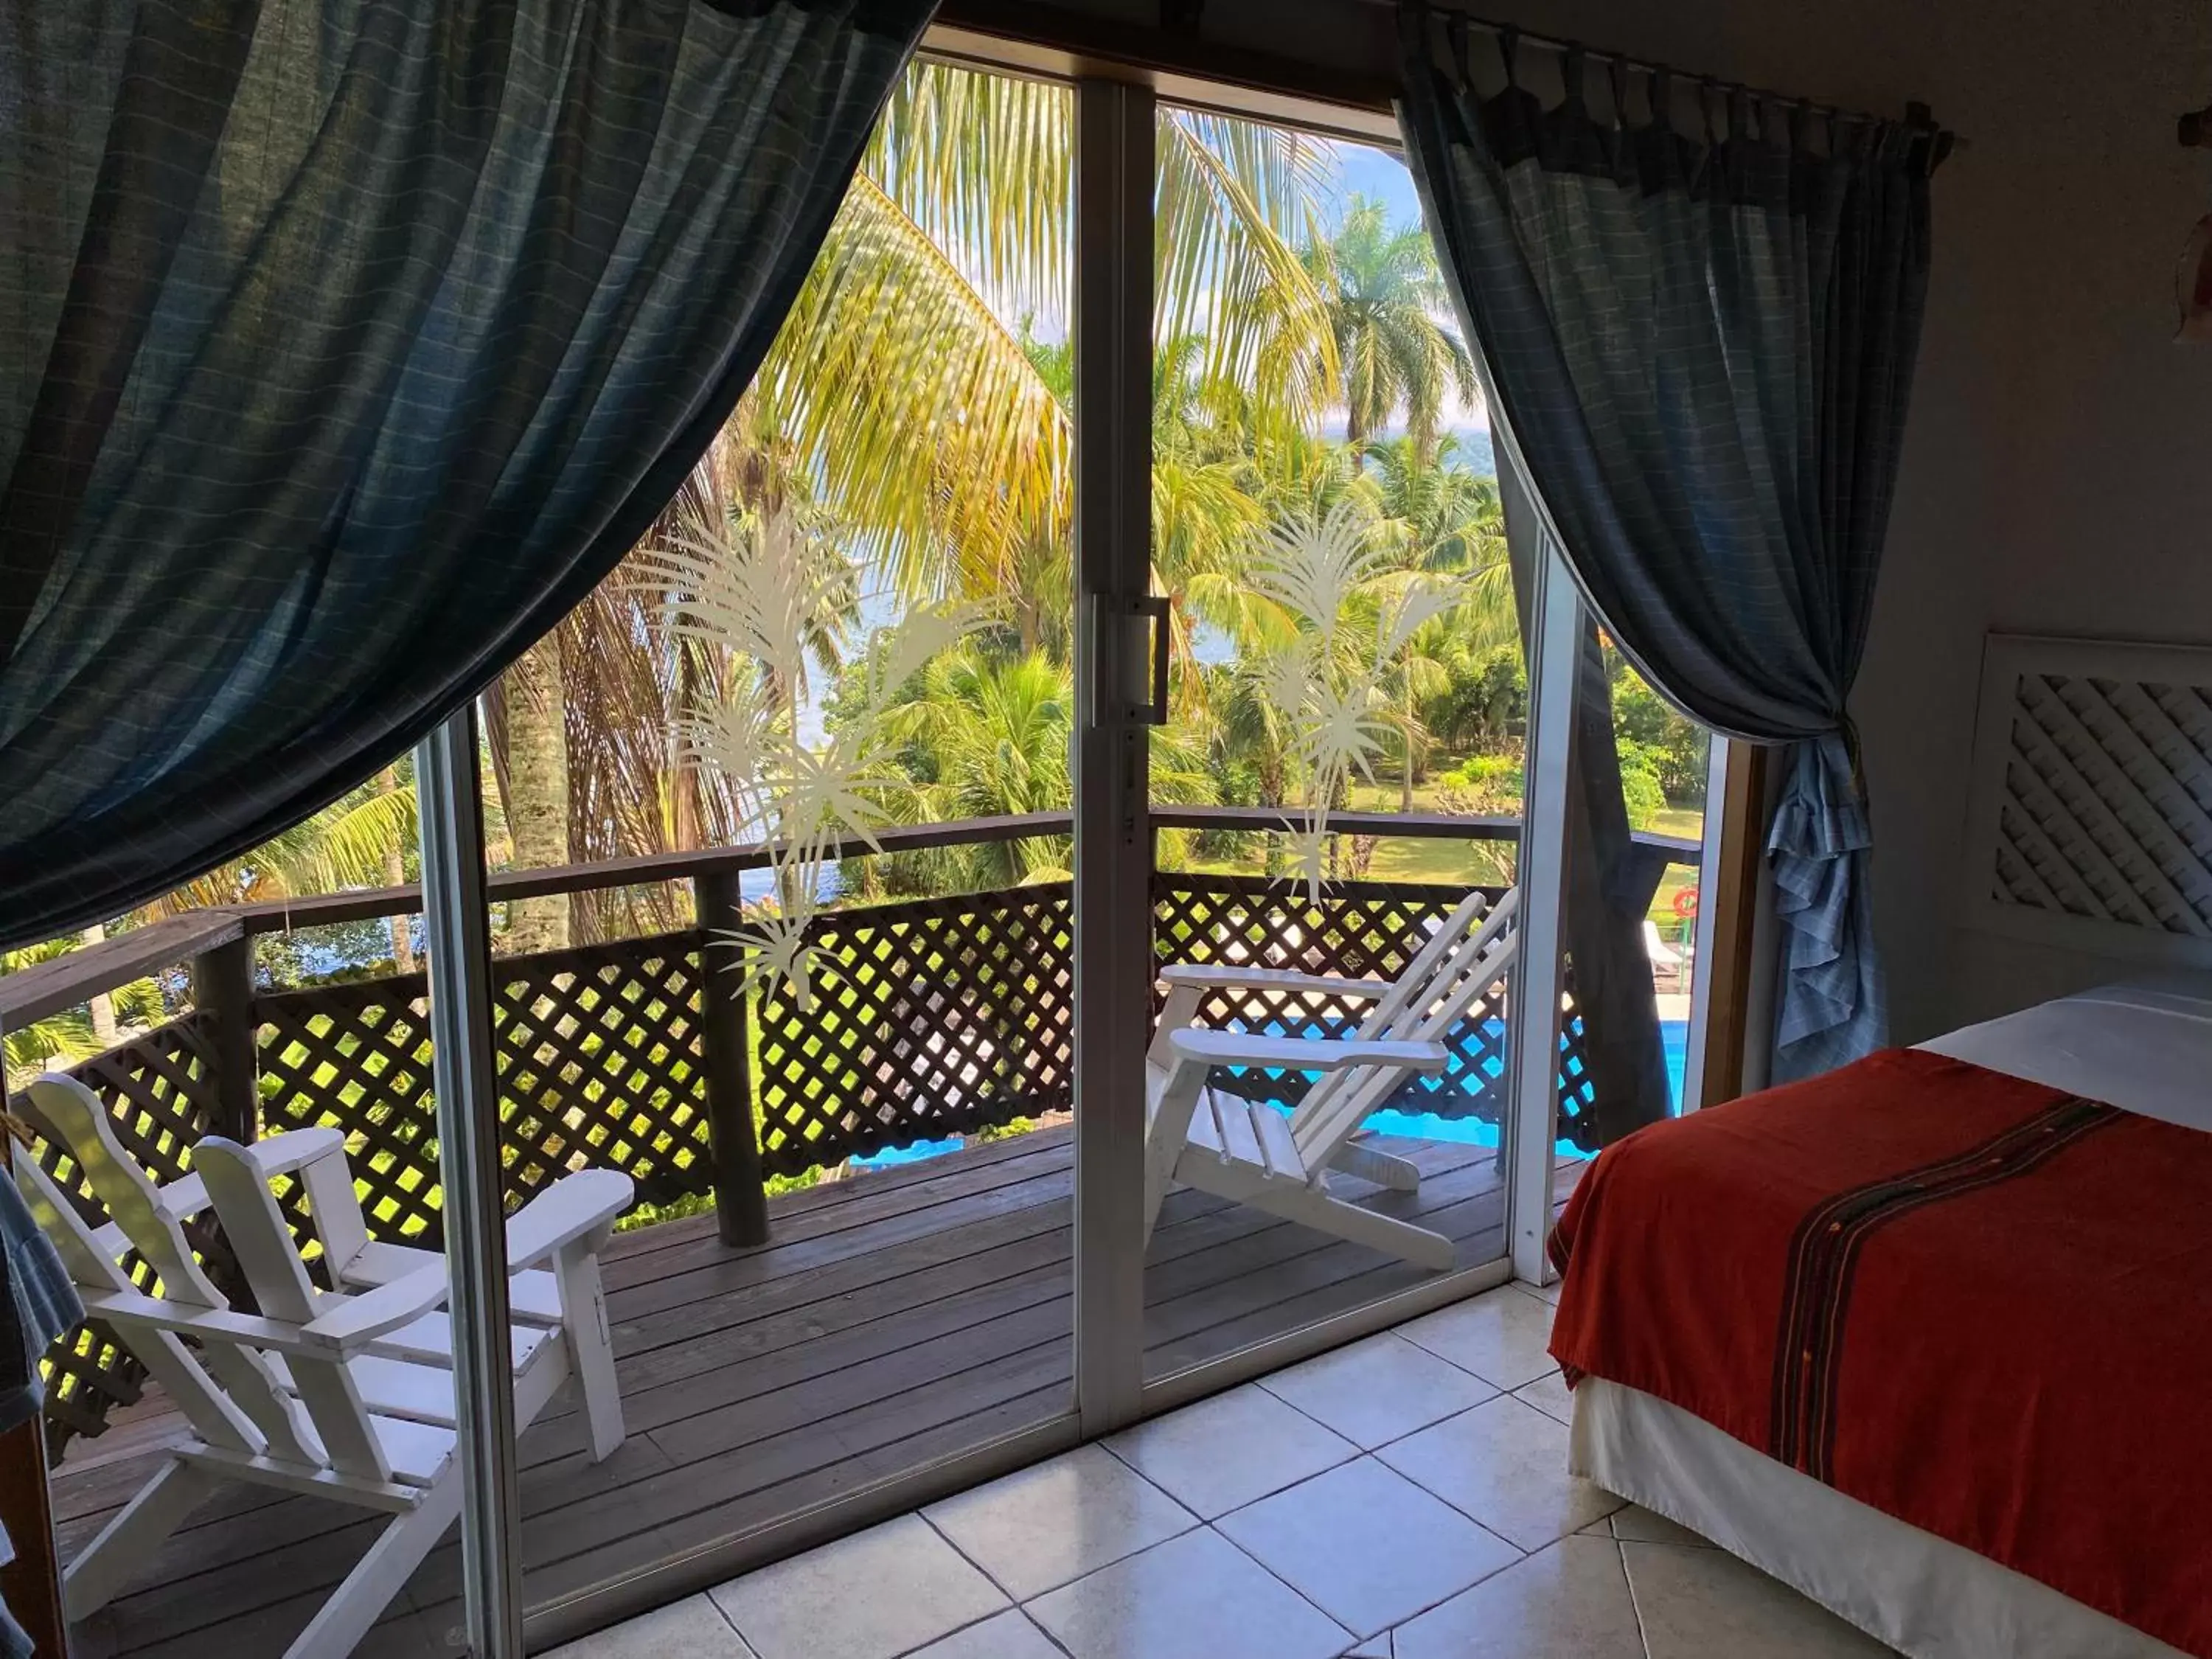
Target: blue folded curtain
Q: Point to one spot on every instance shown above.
(346, 345)
(1702, 343)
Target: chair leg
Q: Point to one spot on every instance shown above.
(358, 1603)
(1314, 1208)
(125, 1545)
(1385, 1169)
(584, 1316)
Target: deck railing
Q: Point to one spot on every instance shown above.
(937, 1017)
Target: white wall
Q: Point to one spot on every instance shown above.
(2057, 476)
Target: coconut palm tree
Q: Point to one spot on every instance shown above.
(75, 1034)
(1385, 297)
(349, 843)
(936, 435)
(1440, 517)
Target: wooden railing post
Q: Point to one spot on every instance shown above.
(222, 987)
(740, 1202)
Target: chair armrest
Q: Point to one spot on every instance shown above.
(282, 1154)
(571, 1207)
(1275, 978)
(359, 1320)
(1209, 1047)
(136, 1308)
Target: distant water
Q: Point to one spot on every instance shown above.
(1475, 453)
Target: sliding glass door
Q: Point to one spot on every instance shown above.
(1146, 776)
(1337, 794)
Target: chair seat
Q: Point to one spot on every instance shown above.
(418, 1452)
(429, 1341)
(419, 1391)
(1251, 1133)
(533, 1297)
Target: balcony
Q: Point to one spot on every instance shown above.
(775, 1352)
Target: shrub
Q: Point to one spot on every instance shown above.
(1674, 743)
(1640, 788)
(1489, 785)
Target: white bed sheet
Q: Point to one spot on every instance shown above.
(2145, 1047)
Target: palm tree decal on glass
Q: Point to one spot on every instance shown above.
(774, 603)
(1352, 617)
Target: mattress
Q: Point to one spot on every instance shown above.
(1922, 1595)
(2145, 1049)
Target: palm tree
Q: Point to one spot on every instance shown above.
(349, 843)
(1385, 295)
(76, 1034)
(939, 437)
(992, 738)
(1442, 517)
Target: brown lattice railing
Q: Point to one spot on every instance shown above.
(931, 1018)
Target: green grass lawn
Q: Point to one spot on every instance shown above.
(1488, 862)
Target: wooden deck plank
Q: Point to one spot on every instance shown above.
(893, 1319)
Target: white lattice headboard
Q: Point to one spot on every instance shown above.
(2092, 817)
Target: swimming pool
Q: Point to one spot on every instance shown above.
(1674, 1034)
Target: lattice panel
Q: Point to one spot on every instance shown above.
(2098, 822)
(1361, 930)
(355, 1057)
(598, 1067)
(931, 1018)
(2093, 797)
(159, 1089)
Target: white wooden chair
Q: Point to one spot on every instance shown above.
(344, 1395)
(1252, 1153)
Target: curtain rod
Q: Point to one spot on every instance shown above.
(1917, 116)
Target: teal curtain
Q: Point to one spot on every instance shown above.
(1703, 342)
(346, 345)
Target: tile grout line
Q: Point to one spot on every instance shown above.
(1014, 1603)
(1520, 1555)
(1635, 1605)
(1357, 1638)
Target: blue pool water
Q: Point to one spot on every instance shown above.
(1421, 1125)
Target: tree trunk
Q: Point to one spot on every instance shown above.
(688, 830)
(1406, 732)
(538, 790)
(102, 1005)
(395, 875)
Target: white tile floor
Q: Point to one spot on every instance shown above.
(1406, 1497)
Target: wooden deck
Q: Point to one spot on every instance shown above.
(897, 1317)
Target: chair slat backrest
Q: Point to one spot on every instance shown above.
(1410, 987)
(212, 1413)
(1455, 970)
(227, 1392)
(270, 1258)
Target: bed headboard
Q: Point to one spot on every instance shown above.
(2092, 803)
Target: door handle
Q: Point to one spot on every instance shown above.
(1155, 713)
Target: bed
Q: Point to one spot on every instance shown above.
(1931, 1338)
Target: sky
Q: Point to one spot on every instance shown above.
(1365, 171)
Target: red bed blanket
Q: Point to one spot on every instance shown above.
(1982, 1306)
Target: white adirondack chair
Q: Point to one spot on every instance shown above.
(343, 1394)
(1250, 1151)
